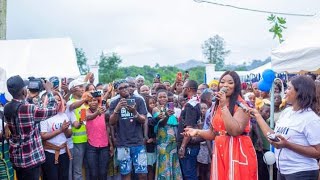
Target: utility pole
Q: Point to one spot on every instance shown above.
(3, 19)
(210, 55)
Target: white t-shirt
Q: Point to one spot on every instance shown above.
(302, 128)
(52, 124)
(177, 112)
(1, 128)
(72, 118)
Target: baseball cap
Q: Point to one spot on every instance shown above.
(15, 84)
(75, 83)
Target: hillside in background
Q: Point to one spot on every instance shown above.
(257, 63)
(190, 64)
(110, 65)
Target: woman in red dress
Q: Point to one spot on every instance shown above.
(233, 156)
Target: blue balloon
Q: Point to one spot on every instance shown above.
(264, 86)
(268, 75)
(3, 100)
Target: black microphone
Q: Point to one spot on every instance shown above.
(244, 107)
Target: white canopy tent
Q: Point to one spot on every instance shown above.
(300, 52)
(39, 57)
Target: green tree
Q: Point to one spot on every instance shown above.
(214, 49)
(109, 67)
(197, 74)
(82, 61)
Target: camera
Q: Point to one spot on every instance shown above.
(158, 76)
(55, 81)
(179, 76)
(96, 94)
(170, 105)
(103, 103)
(64, 80)
(35, 84)
(131, 102)
(55, 84)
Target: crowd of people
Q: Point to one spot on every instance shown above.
(73, 129)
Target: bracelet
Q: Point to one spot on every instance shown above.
(116, 112)
(198, 133)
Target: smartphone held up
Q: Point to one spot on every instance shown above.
(83, 114)
(273, 137)
(131, 102)
(170, 106)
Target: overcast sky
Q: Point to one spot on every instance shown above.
(145, 32)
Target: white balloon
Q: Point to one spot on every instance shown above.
(8, 96)
(269, 158)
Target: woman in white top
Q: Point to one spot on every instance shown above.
(297, 133)
(54, 134)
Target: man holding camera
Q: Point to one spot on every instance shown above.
(26, 150)
(128, 114)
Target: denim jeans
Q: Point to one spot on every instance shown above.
(79, 151)
(70, 165)
(305, 175)
(52, 171)
(189, 163)
(97, 158)
(135, 155)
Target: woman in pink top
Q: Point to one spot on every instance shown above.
(98, 140)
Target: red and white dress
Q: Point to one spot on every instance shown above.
(234, 157)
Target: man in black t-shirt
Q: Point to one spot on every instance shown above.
(128, 114)
(188, 150)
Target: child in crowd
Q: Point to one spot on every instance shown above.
(99, 146)
(151, 137)
(54, 134)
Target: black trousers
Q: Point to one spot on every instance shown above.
(28, 173)
(305, 175)
(58, 171)
(263, 172)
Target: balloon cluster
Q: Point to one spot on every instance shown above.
(265, 83)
